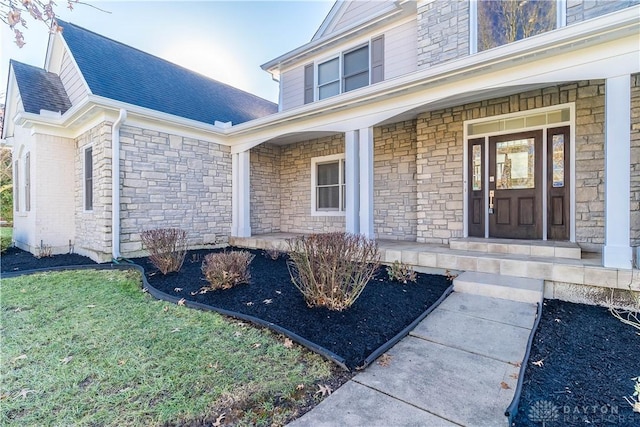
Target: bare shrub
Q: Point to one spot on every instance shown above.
(272, 253)
(226, 269)
(332, 269)
(401, 272)
(44, 251)
(167, 248)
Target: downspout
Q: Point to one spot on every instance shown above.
(115, 184)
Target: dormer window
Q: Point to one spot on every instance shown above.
(348, 71)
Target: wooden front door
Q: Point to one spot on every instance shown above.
(515, 186)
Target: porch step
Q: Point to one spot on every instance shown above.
(499, 286)
(536, 248)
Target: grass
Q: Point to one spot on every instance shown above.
(90, 348)
(6, 232)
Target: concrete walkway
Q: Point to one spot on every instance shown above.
(459, 366)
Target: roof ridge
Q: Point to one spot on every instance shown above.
(65, 23)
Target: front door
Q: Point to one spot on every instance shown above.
(515, 185)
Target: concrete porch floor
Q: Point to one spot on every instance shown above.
(568, 273)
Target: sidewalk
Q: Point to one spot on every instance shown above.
(459, 366)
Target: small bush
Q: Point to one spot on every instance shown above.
(227, 269)
(167, 248)
(401, 272)
(331, 270)
(5, 242)
(44, 251)
(272, 253)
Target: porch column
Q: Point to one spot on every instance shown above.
(240, 197)
(617, 175)
(365, 155)
(352, 182)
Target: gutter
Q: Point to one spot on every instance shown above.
(115, 184)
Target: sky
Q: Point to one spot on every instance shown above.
(224, 40)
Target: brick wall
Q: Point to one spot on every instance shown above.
(265, 189)
(394, 190)
(580, 10)
(93, 228)
(295, 186)
(443, 31)
(172, 181)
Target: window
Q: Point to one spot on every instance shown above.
(328, 185)
(351, 70)
(16, 185)
(501, 22)
(88, 178)
(27, 182)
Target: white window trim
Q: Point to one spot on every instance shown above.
(84, 179)
(340, 57)
(561, 21)
(314, 179)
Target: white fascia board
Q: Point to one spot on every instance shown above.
(561, 42)
(316, 45)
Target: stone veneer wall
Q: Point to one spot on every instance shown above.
(394, 189)
(93, 228)
(173, 181)
(635, 160)
(440, 151)
(580, 10)
(295, 186)
(443, 31)
(265, 189)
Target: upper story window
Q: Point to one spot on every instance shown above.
(500, 22)
(347, 71)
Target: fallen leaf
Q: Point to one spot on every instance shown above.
(250, 303)
(121, 362)
(237, 333)
(176, 330)
(288, 343)
(91, 306)
(23, 393)
(504, 386)
(17, 310)
(182, 301)
(557, 320)
(514, 376)
(219, 420)
(299, 386)
(278, 292)
(177, 289)
(66, 360)
(539, 363)
(384, 360)
(21, 357)
(257, 345)
(3, 396)
(324, 389)
(165, 308)
(516, 364)
(268, 301)
(145, 290)
(193, 293)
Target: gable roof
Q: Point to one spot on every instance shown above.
(40, 89)
(116, 71)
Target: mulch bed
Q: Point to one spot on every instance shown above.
(588, 357)
(588, 361)
(383, 309)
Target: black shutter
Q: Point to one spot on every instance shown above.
(377, 59)
(308, 83)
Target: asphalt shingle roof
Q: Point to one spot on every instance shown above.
(117, 71)
(39, 89)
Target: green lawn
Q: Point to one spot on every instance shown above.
(90, 348)
(6, 232)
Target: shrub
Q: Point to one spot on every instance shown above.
(272, 253)
(167, 248)
(44, 251)
(227, 269)
(5, 242)
(331, 270)
(401, 272)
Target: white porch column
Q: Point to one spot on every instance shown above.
(352, 181)
(240, 197)
(617, 175)
(365, 155)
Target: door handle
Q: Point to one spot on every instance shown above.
(491, 196)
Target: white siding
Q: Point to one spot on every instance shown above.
(357, 11)
(73, 83)
(292, 84)
(401, 50)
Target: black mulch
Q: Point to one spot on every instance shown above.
(383, 309)
(588, 361)
(14, 259)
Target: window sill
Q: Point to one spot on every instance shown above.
(327, 213)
